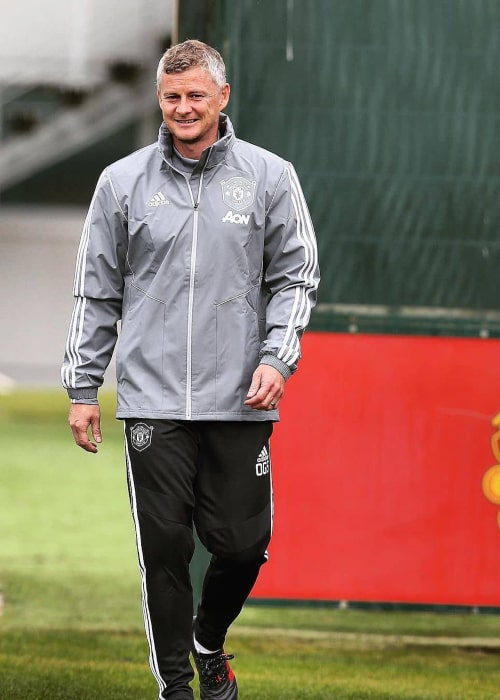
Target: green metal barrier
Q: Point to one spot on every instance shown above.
(389, 111)
(197, 569)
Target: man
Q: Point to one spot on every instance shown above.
(202, 246)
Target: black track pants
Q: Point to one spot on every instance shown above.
(218, 475)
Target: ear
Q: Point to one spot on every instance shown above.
(224, 96)
(158, 96)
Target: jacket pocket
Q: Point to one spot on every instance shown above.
(237, 350)
(140, 355)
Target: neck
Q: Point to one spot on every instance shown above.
(193, 150)
(188, 150)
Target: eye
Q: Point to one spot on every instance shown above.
(170, 98)
(196, 96)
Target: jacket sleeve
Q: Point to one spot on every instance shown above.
(291, 273)
(98, 292)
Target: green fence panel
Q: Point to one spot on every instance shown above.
(389, 110)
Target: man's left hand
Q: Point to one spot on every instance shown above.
(266, 390)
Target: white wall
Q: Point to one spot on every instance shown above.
(37, 259)
(69, 42)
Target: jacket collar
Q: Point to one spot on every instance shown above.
(211, 156)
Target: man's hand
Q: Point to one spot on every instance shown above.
(81, 416)
(266, 390)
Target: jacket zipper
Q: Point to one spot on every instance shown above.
(194, 247)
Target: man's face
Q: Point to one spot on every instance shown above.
(190, 103)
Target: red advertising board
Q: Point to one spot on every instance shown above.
(386, 471)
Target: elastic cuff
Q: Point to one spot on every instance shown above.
(83, 395)
(278, 364)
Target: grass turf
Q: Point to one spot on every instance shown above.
(72, 624)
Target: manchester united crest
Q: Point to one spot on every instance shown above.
(238, 193)
(140, 436)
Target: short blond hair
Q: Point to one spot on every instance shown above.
(192, 54)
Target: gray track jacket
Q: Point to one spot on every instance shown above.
(209, 274)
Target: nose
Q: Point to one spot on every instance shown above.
(184, 105)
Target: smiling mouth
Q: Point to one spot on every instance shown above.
(186, 121)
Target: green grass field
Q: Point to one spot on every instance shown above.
(72, 626)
